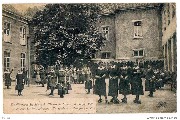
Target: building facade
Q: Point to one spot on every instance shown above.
(169, 39)
(15, 46)
(133, 33)
(106, 25)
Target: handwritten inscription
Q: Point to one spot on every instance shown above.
(55, 105)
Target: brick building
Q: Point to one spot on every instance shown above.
(133, 32)
(169, 40)
(15, 47)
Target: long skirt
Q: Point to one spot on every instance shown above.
(159, 84)
(61, 90)
(38, 79)
(124, 89)
(113, 87)
(81, 78)
(149, 86)
(19, 87)
(8, 82)
(100, 86)
(88, 84)
(137, 90)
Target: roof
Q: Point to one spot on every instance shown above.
(108, 8)
(11, 10)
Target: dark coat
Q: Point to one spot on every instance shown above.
(150, 84)
(52, 80)
(81, 76)
(124, 85)
(149, 74)
(7, 78)
(88, 84)
(158, 82)
(136, 85)
(113, 81)
(61, 90)
(61, 76)
(20, 81)
(43, 77)
(100, 84)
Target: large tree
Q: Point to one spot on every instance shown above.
(66, 33)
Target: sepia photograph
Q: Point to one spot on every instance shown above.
(89, 58)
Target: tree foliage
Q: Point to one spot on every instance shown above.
(66, 33)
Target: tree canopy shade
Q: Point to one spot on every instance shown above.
(66, 33)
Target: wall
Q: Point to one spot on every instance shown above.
(14, 46)
(169, 39)
(110, 45)
(151, 40)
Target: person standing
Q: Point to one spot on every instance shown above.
(78, 75)
(48, 77)
(152, 86)
(71, 74)
(25, 74)
(42, 77)
(136, 86)
(7, 76)
(74, 75)
(93, 68)
(113, 83)
(61, 81)
(67, 80)
(61, 90)
(150, 82)
(19, 82)
(81, 75)
(124, 85)
(52, 81)
(38, 78)
(88, 82)
(100, 84)
(61, 74)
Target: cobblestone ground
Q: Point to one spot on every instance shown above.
(164, 100)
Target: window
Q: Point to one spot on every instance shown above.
(6, 60)
(135, 53)
(7, 31)
(105, 31)
(105, 55)
(22, 35)
(138, 53)
(173, 10)
(22, 61)
(168, 13)
(137, 29)
(164, 20)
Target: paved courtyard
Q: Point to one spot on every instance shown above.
(164, 100)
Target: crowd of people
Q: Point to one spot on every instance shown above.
(126, 78)
(62, 77)
(123, 78)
